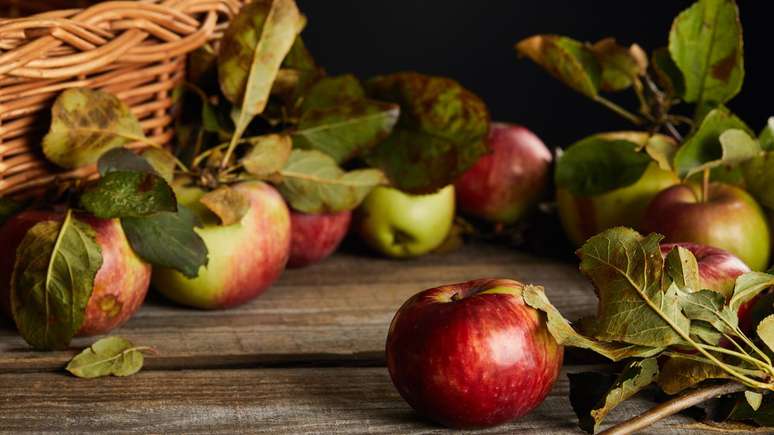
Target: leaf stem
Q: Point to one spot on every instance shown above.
(736, 354)
(672, 407)
(636, 120)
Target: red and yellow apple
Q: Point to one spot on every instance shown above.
(120, 284)
(507, 183)
(245, 258)
(472, 354)
(315, 236)
(729, 219)
(583, 217)
(718, 268)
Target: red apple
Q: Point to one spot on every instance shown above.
(718, 268)
(472, 354)
(508, 182)
(315, 236)
(121, 282)
(729, 219)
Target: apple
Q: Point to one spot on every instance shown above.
(507, 183)
(121, 282)
(718, 268)
(728, 219)
(315, 236)
(402, 225)
(245, 258)
(583, 217)
(473, 354)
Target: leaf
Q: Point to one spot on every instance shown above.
(620, 65)
(635, 305)
(706, 44)
(121, 159)
(570, 61)
(313, 183)
(703, 149)
(128, 194)
(678, 374)
(763, 416)
(85, 123)
(52, 281)
(748, 286)
(662, 150)
(592, 398)
(565, 335)
(765, 331)
(759, 177)
(596, 165)
(347, 130)
(168, 239)
(709, 306)
(682, 267)
(252, 50)
(108, 356)
(268, 155)
(8, 208)
(442, 131)
(332, 91)
(162, 161)
(754, 399)
(766, 138)
(228, 204)
(668, 74)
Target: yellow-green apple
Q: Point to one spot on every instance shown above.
(718, 268)
(402, 225)
(583, 217)
(472, 354)
(120, 284)
(508, 182)
(245, 258)
(315, 236)
(729, 218)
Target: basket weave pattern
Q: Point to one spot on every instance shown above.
(132, 49)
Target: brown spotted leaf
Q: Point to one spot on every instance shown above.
(571, 62)
(85, 123)
(681, 372)
(620, 65)
(228, 204)
(268, 154)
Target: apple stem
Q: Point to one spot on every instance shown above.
(456, 297)
(672, 407)
(705, 185)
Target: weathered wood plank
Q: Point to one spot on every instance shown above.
(322, 400)
(338, 310)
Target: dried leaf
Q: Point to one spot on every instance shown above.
(754, 399)
(662, 150)
(679, 373)
(748, 286)
(709, 306)
(570, 61)
(620, 65)
(128, 194)
(108, 356)
(332, 91)
(228, 204)
(668, 74)
(682, 267)
(765, 331)
(52, 281)
(268, 155)
(85, 123)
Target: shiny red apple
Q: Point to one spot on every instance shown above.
(506, 183)
(718, 268)
(472, 354)
(121, 282)
(729, 218)
(315, 236)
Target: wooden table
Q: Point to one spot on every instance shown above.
(305, 357)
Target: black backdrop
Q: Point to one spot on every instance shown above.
(472, 41)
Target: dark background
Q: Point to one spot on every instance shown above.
(472, 42)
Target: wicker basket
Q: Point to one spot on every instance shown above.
(132, 49)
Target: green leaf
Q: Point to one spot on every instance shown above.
(681, 372)
(52, 281)
(332, 91)
(620, 65)
(709, 306)
(765, 331)
(668, 74)
(8, 208)
(162, 161)
(565, 335)
(748, 286)
(441, 132)
(706, 44)
(703, 149)
(754, 399)
(128, 194)
(766, 138)
(168, 239)
(268, 155)
(596, 165)
(592, 409)
(662, 150)
(763, 416)
(635, 304)
(121, 159)
(570, 61)
(252, 50)
(85, 123)
(758, 175)
(230, 205)
(682, 267)
(346, 130)
(313, 183)
(108, 356)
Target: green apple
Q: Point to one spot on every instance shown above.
(401, 225)
(245, 258)
(583, 217)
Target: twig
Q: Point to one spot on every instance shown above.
(673, 407)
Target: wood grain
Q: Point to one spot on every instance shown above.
(301, 400)
(336, 312)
